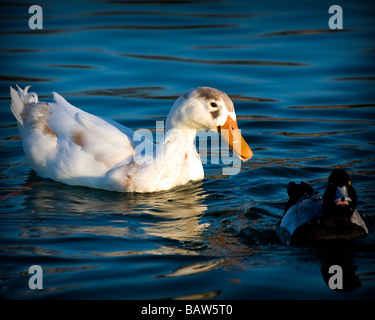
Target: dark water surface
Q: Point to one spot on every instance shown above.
(305, 100)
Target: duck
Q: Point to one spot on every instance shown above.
(310, 218)
(71, 146)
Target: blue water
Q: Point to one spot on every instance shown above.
(304, 96)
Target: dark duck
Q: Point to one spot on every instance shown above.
(309, 218)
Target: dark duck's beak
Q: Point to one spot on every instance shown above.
(340, 196)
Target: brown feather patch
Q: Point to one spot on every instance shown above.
(77, 138)
(212, 94)
(215, 113)
(35, 115)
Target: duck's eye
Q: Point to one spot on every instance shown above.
(349, 183)
(213, 105)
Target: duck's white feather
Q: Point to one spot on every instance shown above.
(16, 105)
(69, 145)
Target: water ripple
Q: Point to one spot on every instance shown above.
(146, 92)
(117, 27)
(175, 14)
(69, 66)
(342, 106)
(363, 78)
(216, 62)
(314, 134)
(306, 32)
(13, 79)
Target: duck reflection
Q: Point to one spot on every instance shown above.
(345, 278)
(170, 215)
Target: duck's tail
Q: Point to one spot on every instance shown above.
(20, 99)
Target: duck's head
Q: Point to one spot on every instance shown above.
(340, 197)
(209, 109)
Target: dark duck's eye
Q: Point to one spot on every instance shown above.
(213, 105)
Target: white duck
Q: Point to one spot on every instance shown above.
(69, 145)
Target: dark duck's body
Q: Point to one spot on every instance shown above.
(310, 218)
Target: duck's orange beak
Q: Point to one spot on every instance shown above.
(234, 139)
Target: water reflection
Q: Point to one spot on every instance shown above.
(172, 215)
(199, 296)
(195, 268)
(346, 276)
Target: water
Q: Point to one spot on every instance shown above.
(304, 96)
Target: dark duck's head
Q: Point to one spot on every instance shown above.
(340, 198)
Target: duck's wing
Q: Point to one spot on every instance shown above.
(67, 144)
(356, 219)
(306, 208)
(93, 135)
